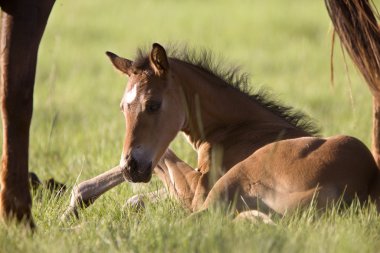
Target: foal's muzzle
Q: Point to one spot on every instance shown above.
(135, 171)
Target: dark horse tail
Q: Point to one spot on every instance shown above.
(355, 22)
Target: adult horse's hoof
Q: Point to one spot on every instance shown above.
(16, 206)
(51, 184)
(22, 217)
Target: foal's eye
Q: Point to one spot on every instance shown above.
(152, 106)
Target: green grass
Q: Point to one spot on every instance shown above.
(77, 129)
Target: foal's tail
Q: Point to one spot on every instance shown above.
(355, 22)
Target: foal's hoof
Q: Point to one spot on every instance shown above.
(135, 203)
(255, 217)
(70, 213)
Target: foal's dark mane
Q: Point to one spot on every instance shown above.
(204, 60)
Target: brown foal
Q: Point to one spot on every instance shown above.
(252, 152)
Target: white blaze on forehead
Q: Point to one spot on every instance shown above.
(131, 94)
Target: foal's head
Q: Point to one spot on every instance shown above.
(151, 104)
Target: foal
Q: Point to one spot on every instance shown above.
(268, 155)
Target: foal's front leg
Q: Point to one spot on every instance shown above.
(179, 178)
(84, 194)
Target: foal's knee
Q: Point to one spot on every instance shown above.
(83, 195)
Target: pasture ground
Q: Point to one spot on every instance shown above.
(77, 129)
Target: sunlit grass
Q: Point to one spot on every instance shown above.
(165, 227)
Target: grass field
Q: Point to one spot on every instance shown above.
(77, 129)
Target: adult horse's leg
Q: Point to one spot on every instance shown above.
(22, 25)
(356, 25)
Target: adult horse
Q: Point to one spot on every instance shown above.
(269, 157)
(22, 26)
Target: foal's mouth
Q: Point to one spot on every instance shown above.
(137, 175)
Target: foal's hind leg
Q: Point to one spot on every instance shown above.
(242, 190)
(236, 191)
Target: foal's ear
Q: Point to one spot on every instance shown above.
(159, 60)
(122, 64)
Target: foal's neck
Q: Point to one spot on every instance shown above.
(220, 114)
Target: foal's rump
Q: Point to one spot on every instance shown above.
(290, 173)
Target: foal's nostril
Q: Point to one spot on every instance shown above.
(136, 171)
(132, 164)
